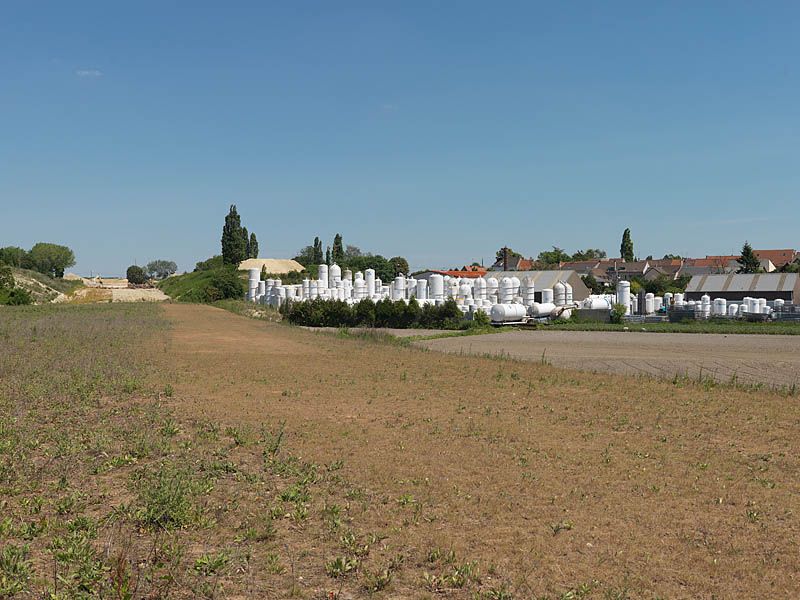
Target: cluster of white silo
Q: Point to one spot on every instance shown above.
(703, 308)
(505, 300)
(508, 299)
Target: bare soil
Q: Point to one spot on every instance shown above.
(758, 359)
(554, 481)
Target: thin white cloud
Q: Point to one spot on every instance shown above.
(89, 73)
(388, 108)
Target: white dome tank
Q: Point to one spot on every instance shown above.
(569, 298)
(559, 294)
(506, 290)
(492, 286)
(479, 288)
(528, 291)
(334, 275)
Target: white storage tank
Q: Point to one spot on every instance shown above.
(334, 275)
(369, 277)
(479, 288)
(733, 310)
(547, 296)
(399, 288)
(624, 295)
(492, 286)
(422, 289)
(437, 286)
(559, 294)
(506, 290)
(541, 309)
(507, 313)
(528, 291)
(649, 303)
(568, 293)
(322, 275)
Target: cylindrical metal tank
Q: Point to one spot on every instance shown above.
(322, 274)
(568, 293)
(528, 291)
(547, 296)
(541, 309)
(505, 313)
(399, 288)
(624, 295)
(479, 288)
(649, 304)
(506, 290)
(422, 289)
(437, 286)
(559, 294)
(334, 275)
(369, 277)
(492, 287)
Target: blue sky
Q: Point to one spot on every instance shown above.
(438, 131)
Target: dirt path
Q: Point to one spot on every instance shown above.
(551, 479)
(768, 359)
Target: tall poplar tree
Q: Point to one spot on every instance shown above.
(338, 249)
(253, 246)
(626, 248)
(318, 257)
(234, 244)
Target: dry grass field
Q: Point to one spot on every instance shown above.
(768, 360)
(183, 451)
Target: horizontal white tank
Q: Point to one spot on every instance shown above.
(505, 313)
(541, 309)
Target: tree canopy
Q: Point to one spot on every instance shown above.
(748, 261)
(15, 257)
(136, 275)
(237, 243)
(51, 259)
(159, 269)
(626, 247)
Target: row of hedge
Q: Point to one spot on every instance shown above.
(384, 313)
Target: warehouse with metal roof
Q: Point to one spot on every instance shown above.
(735, 287)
